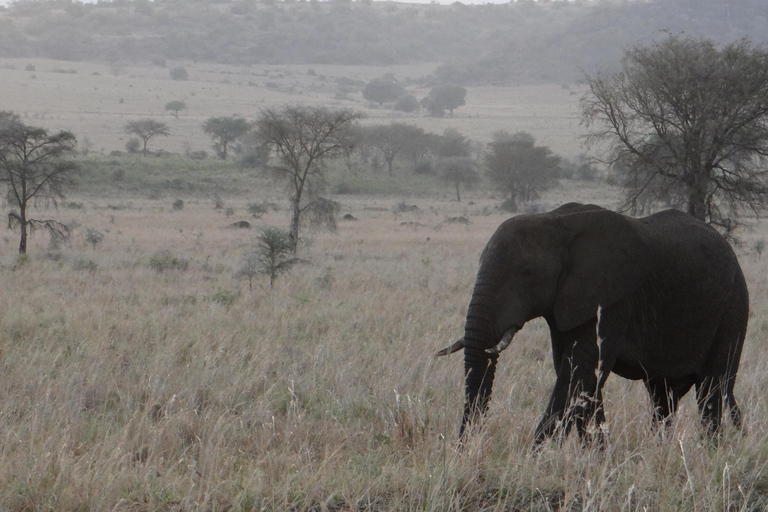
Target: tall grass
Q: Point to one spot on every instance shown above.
(125, 388)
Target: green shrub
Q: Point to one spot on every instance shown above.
(93, 237)
(273, 253)
(85, 265)
(224, 297)
(257, 209)
(164, 260)
(179, 73)
(133, 145)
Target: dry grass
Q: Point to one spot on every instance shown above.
(126, 388)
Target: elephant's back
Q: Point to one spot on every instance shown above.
(689, 247)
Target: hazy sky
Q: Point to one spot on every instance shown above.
(8, 2)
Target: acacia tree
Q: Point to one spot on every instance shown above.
(145, 129)
(687, 122)
(224, 131)
(303, 138)
(444, 97)
(383, 89)
(515, 164)
(394, 139)
(34, 166)
(458, 171)
(452, 143)
(174, 107)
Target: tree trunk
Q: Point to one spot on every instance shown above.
(23, 229)
(293, 234)
(458, 195)
(697, 195)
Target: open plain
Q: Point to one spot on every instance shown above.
(140, 374)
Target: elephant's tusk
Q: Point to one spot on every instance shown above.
(450, 350)
(504, 343)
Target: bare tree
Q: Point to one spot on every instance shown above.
(145, 129)
(34, 166)
(303, 138)
(687, 122)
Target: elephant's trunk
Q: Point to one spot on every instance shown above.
(479, 364)
(479, 368)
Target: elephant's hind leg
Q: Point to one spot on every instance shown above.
(710, 394)
(665, 396)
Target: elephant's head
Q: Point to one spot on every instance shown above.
(561, 265)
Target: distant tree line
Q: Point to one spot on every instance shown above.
(488, 44)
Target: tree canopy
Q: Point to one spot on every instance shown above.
(457, 171)
(383, 90)
(395, 139)
(146, 129)
(174, 107)
(686, 121)
(224, 131)
(444, 97)
(520, 168)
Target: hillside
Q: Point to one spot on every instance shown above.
(520, 42)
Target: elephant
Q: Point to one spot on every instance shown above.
(660, 299)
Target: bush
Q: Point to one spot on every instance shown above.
(93, 237)
(85, 265)
(178, 205)
(407, 103)
(225, 298)
(179, 73)
(133, 145)
(322, 214)
(424, 167)
(164, 260)
(271, 256)
(257, 209)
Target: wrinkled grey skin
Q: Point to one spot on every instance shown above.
(673, 311)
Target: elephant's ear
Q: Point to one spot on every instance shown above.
(605, 262)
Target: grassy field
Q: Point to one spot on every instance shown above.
(139, 374)
(134, 385)
(95, 103)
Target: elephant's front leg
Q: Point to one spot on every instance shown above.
(573, 399)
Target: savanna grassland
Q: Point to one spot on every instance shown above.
(96, 100)
(140, 374)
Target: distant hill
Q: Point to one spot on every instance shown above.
(522, 42)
